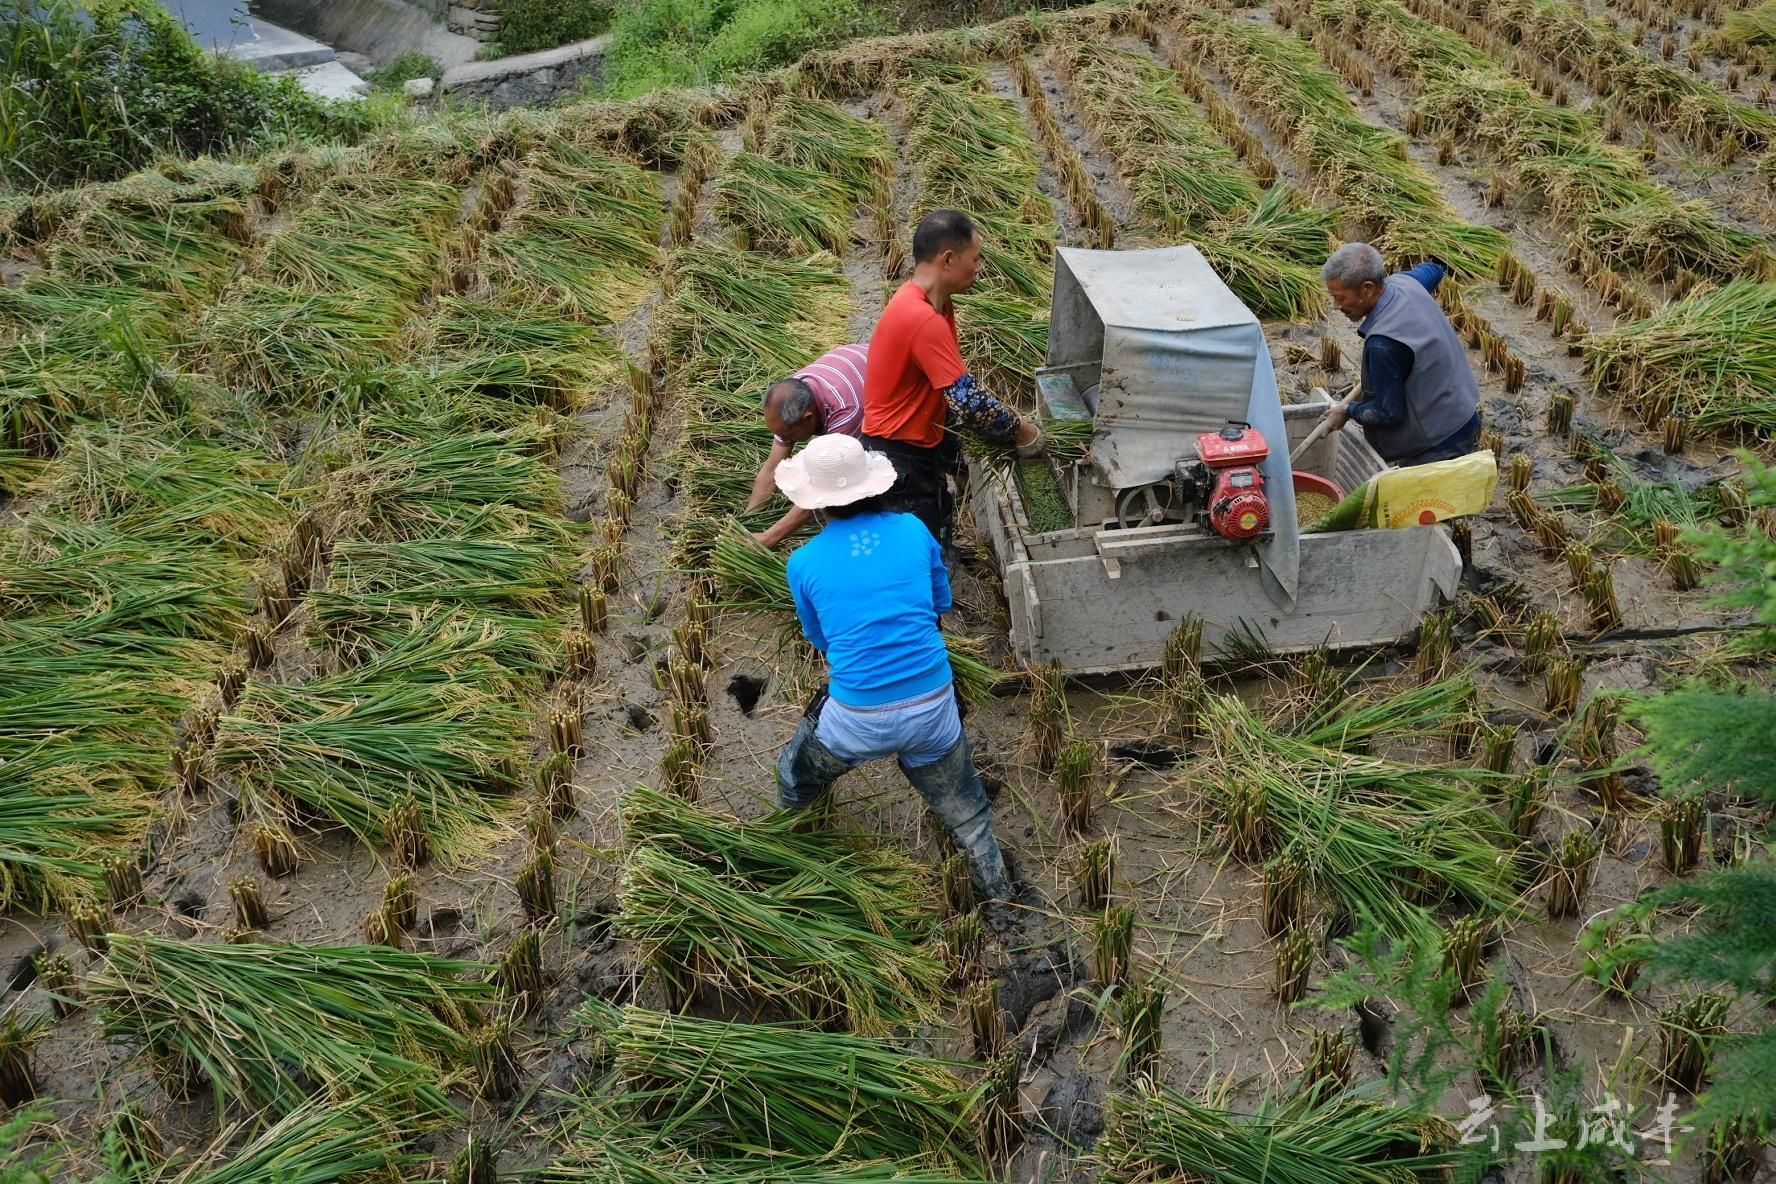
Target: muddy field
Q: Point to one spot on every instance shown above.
(646, 541)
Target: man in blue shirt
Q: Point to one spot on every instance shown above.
(1419, 400)
(869, 589)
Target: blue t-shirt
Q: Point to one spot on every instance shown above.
(868, 591)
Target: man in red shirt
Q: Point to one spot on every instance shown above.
(825, 397)
(917, 389)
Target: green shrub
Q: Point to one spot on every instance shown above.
(657, 43)
(402, 69)
(91, 91)
(527, 25)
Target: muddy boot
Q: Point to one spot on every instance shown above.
(953, 790)
(806, 768)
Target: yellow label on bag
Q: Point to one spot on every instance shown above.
(1424, 494)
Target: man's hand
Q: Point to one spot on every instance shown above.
(1337, 415)
(1029, 439)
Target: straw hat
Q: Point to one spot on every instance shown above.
(833, 470)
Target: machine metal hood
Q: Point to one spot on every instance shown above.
(1176, 354)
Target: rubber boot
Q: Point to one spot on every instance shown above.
(806, 768)
(953, 790)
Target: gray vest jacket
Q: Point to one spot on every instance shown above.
(1441, 392)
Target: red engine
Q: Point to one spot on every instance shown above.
(1237, 506)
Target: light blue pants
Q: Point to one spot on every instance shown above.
(919, 730)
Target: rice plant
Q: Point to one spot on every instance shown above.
(1154, 1132)
(268, 1025)
(428, 718)
(1574, 863)
(318, 1143)
(751, 1089)
(827, 923)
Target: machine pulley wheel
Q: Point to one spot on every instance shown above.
(1145, 505)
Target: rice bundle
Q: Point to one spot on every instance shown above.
(811, 134)
(270, 1025)
(828, 924)
(772, 1090)
(783, 207)
(1712, 354)
(429, 719)
(523, 353)
(1374, 836)
(1311, 1136)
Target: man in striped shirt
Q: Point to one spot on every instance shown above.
(823, 398)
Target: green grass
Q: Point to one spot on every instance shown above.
(674, 43)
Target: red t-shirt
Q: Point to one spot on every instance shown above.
(913, 358)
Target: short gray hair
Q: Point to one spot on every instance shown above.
(1353, 265)
(793, 398)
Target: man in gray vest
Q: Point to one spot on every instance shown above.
(1419, 400)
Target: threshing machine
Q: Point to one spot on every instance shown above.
(1185, 502)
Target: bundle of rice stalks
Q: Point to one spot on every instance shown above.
(1311, 1136)
(288, 344)
(1005, 336)
(497, 561)
(522, 353)
(321, 1143)
(415, 478)
(1710, 356)
(760, 1089)
(151, 237)
(596, 269)
(782, 207)
(429, 720)
(144, 482)
(174, 586)
(366, 234)
(829, 924)
(737, 317)
(1375, 837)
(270, 1025)
(754, 579)
(850, 152)
(76, 773)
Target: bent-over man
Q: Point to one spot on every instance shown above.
(917, 390)
(869, 589)
(824, 397)
(1419, 400)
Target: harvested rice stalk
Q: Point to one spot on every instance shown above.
(986, 1018)
(1280, 899)
(1074, 776)
(809, 919)
(1328, 1064)
(1154, 1132)
(743, 1089)
(245, 1016)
